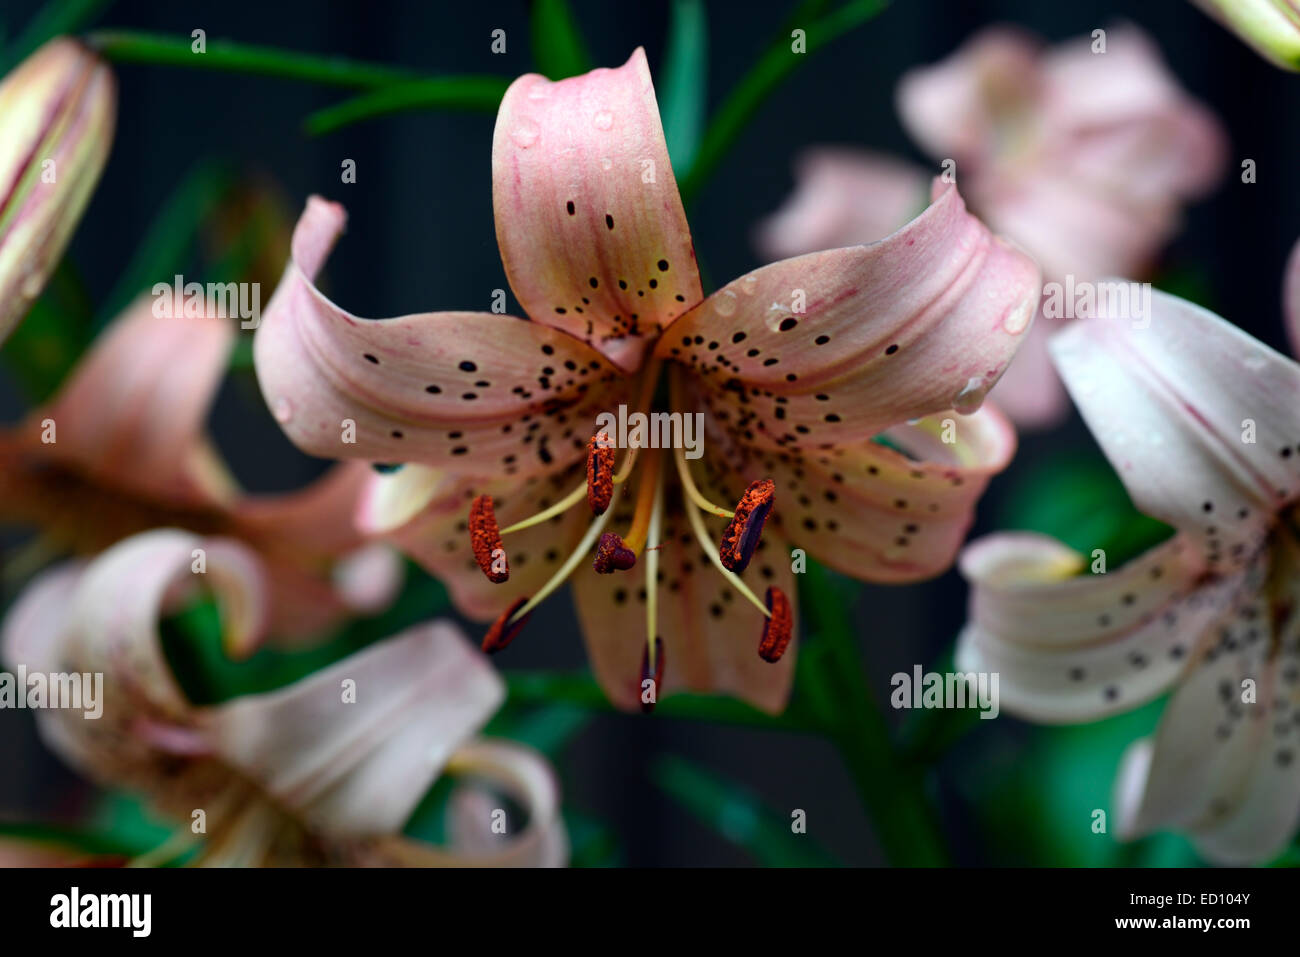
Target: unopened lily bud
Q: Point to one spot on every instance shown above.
(57, 112)
(1272, 27)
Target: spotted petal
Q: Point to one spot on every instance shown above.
(589, 220)
(1200, 420)
(471, 392)
(920, 322)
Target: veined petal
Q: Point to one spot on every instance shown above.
(1075, 646)
(1222, 765)
(1199, 419)
(57, 112)
(923, 321)
(359, 766)
(133, 413)
(843, 198)
(589, 220)
(710, 633)
(883, 515)
(470, 392)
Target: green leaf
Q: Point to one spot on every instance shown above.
(558, 47)
(549, 728)
(460, 93)
(592, 842)
(46, 345)
(737, 815)
(54, 18)
(683, 81)
(775, 64)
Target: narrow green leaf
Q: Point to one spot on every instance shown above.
(776, 63)
(683, 82)
(738, 815)
(461, 93)
(558, 47)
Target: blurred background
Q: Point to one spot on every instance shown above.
(420, 237)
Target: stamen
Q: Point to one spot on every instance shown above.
(600, 472)
(570, 563)
(563, 505)
(706, 543)
(653, 651)
(485, 540)
(688, 483)
(612, 554)
(652, 669)
(743, 532)
(506, 628)
(778, 628)
(645, 498)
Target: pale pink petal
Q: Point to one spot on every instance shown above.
(351, 749)
(921, 322)
(1073, 644)
(470, 392)
(843, 198)
(590, 224)
(1199, 419)
(1291, 297)
(369, 578)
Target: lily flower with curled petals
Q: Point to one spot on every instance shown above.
(797, 369)
(1272, 27)
(1202, 423)
(1082, 158)
(123, 447)
(301, 775)
(57, 111)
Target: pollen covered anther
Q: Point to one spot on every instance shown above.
(503, 630)
(485, 539)
(741, 537)
(600, 472)
(777, 629)
(612, 554)
(655, 675)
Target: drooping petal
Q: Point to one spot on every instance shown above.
(1074, 645)
(880, 514)
(470, 392)
(1222, 766)
(923, 321)
(843, 198)
(133, 413)
(57, 112)
(1272, 27)
(590, 224)
(426, 516)
(710, 633)
(1200, 420)
(351, 749)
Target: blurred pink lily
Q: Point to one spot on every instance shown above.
(1082, 158)
(324, 771)
(1201, 421)
(123, 448)
(795, 369)
(1272, 27)
(57, 112)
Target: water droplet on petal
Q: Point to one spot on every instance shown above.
(282, 410)
(724, 303)
(1255, 362)
(606, 163)
(748, 285)
(525, 134)
(539, 91)
(971, 396)
(1017, 319)
(603, 120)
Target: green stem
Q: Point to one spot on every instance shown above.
(776, 63)
(471, 93)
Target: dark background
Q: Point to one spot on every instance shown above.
(421, 237)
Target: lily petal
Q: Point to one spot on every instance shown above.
(1291, 298)
(1199, 420)
(470, 392)
(920, 322)
(57, 112)
(590, 224)
(356, 766)
(1072, 646)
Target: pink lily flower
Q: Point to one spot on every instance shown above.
(795, 368)
(1271, 27)
(1201, 422)
(1082, 158)
(123, 448)
(57, 112)
(324, 771)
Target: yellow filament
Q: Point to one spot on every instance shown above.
(570, 563)
(563, 505)
(652, 572)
